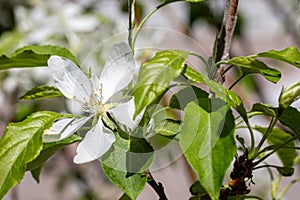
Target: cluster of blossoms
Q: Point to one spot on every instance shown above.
(98, 97)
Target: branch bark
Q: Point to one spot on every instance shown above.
(226, 33)
(158, 187)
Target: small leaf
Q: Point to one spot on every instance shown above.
(289, 94)
(21, 143)
(297, 160)
(139, 156)
(241, 140)
(207, 141)
(250, 65)
(191, 93)
(41, 92)
(48, 150)
(125, 197)
(36, 173)
(285, 171)
(290, 117)
(125, 163)
(131, 185)
(278, 137)
(158, 113)
(243, 197)
(9, 41)
(289, 55)
(264, 109)
(223, 93)
(167, 128)
(194, 76)
(156, 75)
(34, 56)
(197, 189)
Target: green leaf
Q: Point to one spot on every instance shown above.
(9, 41)
(40, 92)
(250, 65)
(132, 185)
(156, 75)
(241, 141)
(139, 156)
(278, 137)
(290, 117)
(194, 76)
(35, 173)
(297, 160)
(34, 56)
(48, 150)
(198, 192)
(191, 93)
(125, 197)
(285, 171)
(167, 128)
(223, 93)
(20, 144)
(125, 163)
(207, 141)
(197, 189)
(264, 109)
(158, 113)
(289, 55)
(289, 94)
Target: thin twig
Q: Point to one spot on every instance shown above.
(158, 187)
(226, 33)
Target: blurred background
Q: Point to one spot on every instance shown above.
(89, 27)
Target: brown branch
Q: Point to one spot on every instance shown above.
(158, 187)
(226, 34)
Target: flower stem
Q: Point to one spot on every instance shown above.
(274, 150)
(285, 189)
(265, 136)
(251, 136)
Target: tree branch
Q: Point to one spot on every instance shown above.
(158, 187)
(226, 33)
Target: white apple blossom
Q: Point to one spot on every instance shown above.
(95, 97)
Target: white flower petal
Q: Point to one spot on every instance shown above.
(96, 143)
(69, 79)
(124, 112)
(118, 70)
(63, 128)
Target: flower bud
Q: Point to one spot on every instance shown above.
(289, 94)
